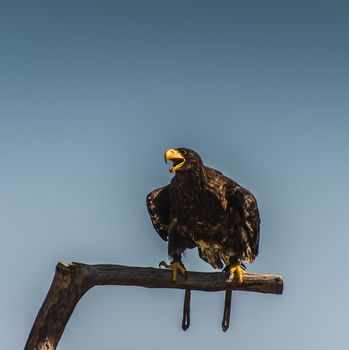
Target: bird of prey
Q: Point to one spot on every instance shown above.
(203, 208)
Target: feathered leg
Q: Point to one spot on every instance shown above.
(176, 246)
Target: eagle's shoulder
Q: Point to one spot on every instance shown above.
(212, 172)
(215, 178)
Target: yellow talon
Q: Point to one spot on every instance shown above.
(177, 266)
(239, 271)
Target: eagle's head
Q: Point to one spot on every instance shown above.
(184, 160)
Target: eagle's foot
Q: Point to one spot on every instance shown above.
(239, 272)
(175, 266)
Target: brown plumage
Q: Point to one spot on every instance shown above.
(203, 208)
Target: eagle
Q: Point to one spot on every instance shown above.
(203, 208)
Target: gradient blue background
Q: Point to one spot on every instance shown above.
(93, 92)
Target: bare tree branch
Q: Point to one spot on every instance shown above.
(72, 281)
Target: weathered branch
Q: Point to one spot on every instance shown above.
(71, 282)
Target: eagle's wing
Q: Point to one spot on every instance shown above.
(247, 217)
(158, 205)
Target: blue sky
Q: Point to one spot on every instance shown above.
(92, 93)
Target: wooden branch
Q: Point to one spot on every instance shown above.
(72, 281)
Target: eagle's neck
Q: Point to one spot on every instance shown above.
(191, 182)
(190, 191)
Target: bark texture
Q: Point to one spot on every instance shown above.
(72, 281)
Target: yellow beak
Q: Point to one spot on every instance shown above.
(176, 157)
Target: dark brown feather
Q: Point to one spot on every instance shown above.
(203, 208)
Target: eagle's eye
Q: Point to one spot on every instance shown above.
(184, 153)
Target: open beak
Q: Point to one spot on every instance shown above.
(176, 157)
